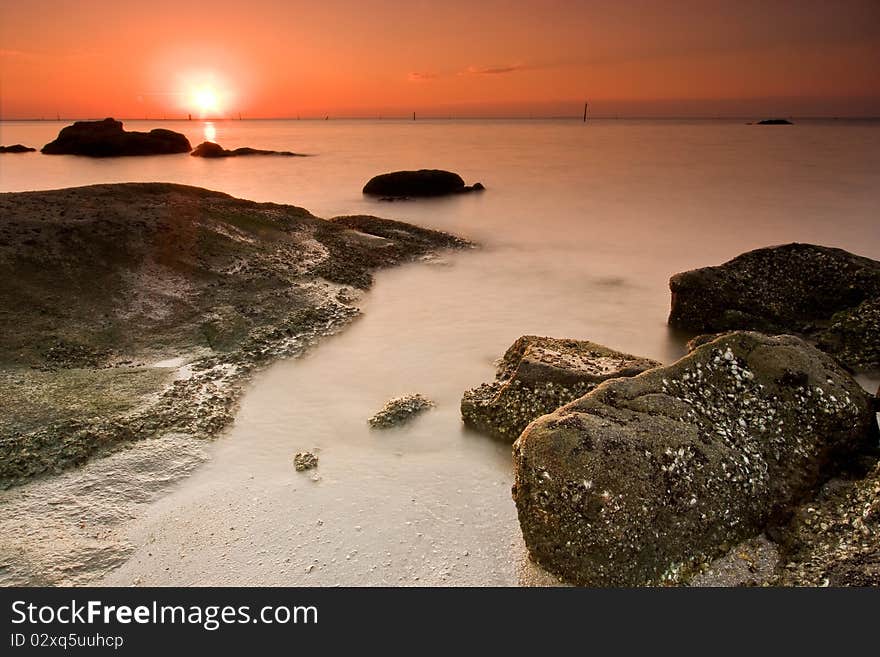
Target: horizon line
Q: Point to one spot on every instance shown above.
(431, 117)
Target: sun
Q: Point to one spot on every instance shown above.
(206, 101)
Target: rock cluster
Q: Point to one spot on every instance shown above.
(400, 410)
(644, 478)
(536, 376)
(827, 295)
(421, 183)
(108, 139)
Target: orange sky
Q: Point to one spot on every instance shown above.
(283, 58)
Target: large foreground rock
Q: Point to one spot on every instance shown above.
(536, 376)
(107, 139)
(828, 295)
(421, 183)
(646, 476)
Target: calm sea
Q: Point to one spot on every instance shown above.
(581, 227)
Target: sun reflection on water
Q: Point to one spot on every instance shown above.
(210, 131)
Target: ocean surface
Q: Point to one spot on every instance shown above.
(581, 227)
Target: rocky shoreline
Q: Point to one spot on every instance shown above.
(135, 313)
(139, 310)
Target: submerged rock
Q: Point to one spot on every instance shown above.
(107, 139)
(400, 410)
(826, 294)
(209, 149)
(645, 477)
(305, 461)
(421, 183)
(17, 148)
(536, 376)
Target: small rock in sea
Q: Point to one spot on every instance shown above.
(400, 410)
(774, 122)
(305, 461)
(210, 149)
(17, 148)
(398, 185)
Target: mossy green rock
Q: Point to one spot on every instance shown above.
(644, 477)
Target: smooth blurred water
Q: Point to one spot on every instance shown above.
(581, 227)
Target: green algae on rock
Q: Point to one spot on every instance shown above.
(536, 376)
(644, 478)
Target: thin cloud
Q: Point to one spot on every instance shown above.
(494, 70)
(421, 77)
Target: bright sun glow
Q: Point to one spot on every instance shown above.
(205, 93)
(206, 101)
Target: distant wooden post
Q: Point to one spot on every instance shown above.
(585, 111)
(414, 116)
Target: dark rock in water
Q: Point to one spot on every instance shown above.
(774, 122)
(210, 149)
(421, 183)
(536, 376)
(17, 148)
(828, 295)
(107, 139)
(400, 410)
(644, 478)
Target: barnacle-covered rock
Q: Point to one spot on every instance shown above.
(536, 376)
(827, 295)
(853, 335)
(304, 461)
(643, 478)
(400, 410)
